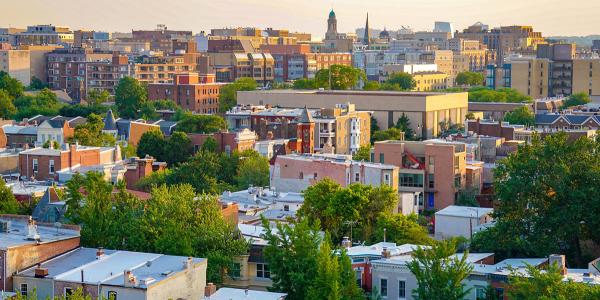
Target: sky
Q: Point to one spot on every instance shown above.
(552, 17)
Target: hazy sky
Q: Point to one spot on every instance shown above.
(552, 17)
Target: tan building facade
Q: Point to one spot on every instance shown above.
(17, 64)
(430, 81)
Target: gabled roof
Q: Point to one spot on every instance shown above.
(546, 118)
(576, 119)
(305, 116)
(109, 121)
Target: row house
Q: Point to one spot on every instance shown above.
(227, 141)
(191, 91)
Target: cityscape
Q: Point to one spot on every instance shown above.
(266, 152)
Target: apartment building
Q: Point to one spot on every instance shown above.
(296, 172)
(46, 35)
(160, 39)
(435, 169)
(162, 69)
(191, 91)
(430, 81)
(16, 63)
(425, 110)
(38, 63)
(105, 75)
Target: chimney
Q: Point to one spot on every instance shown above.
(210, 289)
(386, 253)
(560, 262)
(99, 253)
(129, 279)
(187, 264)
(41, 272)
(346, 243)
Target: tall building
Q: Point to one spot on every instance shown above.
(442, 27)
(334, 41)
(191, 91)
(331, 33)
(17, 64)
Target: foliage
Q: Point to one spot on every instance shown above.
(12, 86)
(7, 108)
(127, 149)
(55, 144)
(97, 97)
(447, 128)
(374, 125)
(83, 110)
(484, 94)
(470, 116)
(228, 93)
(469, 78)
(400, 81)
(467, 197)
(77, 294)
(253, 170)
(363, 153)
(191, 123)
(44, 103)
(175, 221)
(130, 94)
(90, 133)
(339, 77)
(36, 84)
(334, 207)
(8, 202)
(576, 100)
(371, 86)
(539, 189)
(209, 145)
(306, 84)
(520, 116)
(147, 111)
(549, 285)
(400, 229)
(439, 274)
(388, 134)
(403, 124)
(173, 150)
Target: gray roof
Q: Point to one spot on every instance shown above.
(109, 121)
(576, 119)
(167, 127)
(17, 235)
(305, 117)
(546, 118)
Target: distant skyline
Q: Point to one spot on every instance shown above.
(551, 17)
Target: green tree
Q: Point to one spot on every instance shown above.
(306, 84)
(228, 93)
(403, 81)
(209, 145)
(90, 133)
(177, 149)
(469, 78)
(505, 95)
(372, 86)
(403, 124)
(152, 143)
(55, 144)
(326, 283)
(520, 116)
(43, 103)
(12, 86)
(7, 108)
(539, 188)
(8, 203)
(363, 153)
(253, 170)
(576, 100)
(439, 273)
(470, 116)
(36, 84)
(191, 123)
(164, 104)
(82, 110)
(292, 253)
(148, 111)
(388, 134)
(97, 97)
(129, 97)
(400, 229)
(340, 77)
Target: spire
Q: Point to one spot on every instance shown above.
(305, 117)
(367, 36)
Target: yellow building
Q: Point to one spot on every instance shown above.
(586, 76)
(430, 81)
(530, 77)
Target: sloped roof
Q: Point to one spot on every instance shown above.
(109, 121)
(305, 116)
(546, 118)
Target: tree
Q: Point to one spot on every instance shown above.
(228, 93)
(372, 86)
(400, 229)
(326, 284)
(439, 274)
(7, 108)
(576, 100)
(152, 143)
(306, 84)
(388, 134)
(339, 77)
(47, 143)
(403, 81)
(83, 110)
(403, 124)
(470, 116)
(36, 84)
(505, 95)
(44, 103)
(292, 253)
(90, 133)
(191, 123)
(363, 153)
(177, 149)
(12, 86)
(209, 145)
(539, 189)
(129, 96)
(548, 284)
(521, 116)
(253, 170)
(97, 97)
(8, 202)
(469, 78)
(148, 111)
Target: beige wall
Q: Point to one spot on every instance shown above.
(530, 77)
(582, 81)
(16, 64)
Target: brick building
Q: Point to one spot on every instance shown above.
(191, 91)
(227, 141)
(140, 168)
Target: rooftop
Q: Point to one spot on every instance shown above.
(231, 293)
(19, 230)
(352, 92)
(464, 211)
(335, 159)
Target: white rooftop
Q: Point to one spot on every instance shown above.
(18, 232)
(464, 211)
(231, 294)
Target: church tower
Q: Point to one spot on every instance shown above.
(305, 133)
(331, 33)
(367, 36)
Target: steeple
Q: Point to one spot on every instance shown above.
(367, 36)
(331, 33)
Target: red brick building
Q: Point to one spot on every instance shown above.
(227, 141)
(191, 91)
(140, 168)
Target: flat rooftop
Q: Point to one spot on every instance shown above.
(18, 232)
(231, 293)
(351, 92)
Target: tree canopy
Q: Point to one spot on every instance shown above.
(191, 123)
(484, 94)
(403, 124)
(7, 108)
(520, 116)
(44, 103)
(12, 86)
(469, 78)
(388, 134)
(130, 94)
(173, 150)
(339, 77)
(228, 93)
(401, 81)
(90, 133)
(576, 100)
(363, 153)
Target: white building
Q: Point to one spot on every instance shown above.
(454, 221)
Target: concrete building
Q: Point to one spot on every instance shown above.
(46, 35)
(190, 91)
(38, 64)
(294, 173)
(460, 221)
(434, 169)
(430, 81)
(24, 244)
(162, 69)
(17, 64)
(104, 75)
(425, 110)
(114, 274)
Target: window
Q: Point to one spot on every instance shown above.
(51, 166)
(24, 289)
(35, 165)
(431, 181)
(383, 287)
(356, 177)
(262, 271)
(411, 180)
(235, 271)
(401, 289)
(381, 158)
(68, 292)
(359, 278)
(301, 175)
(112, 295)
(386, 179)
